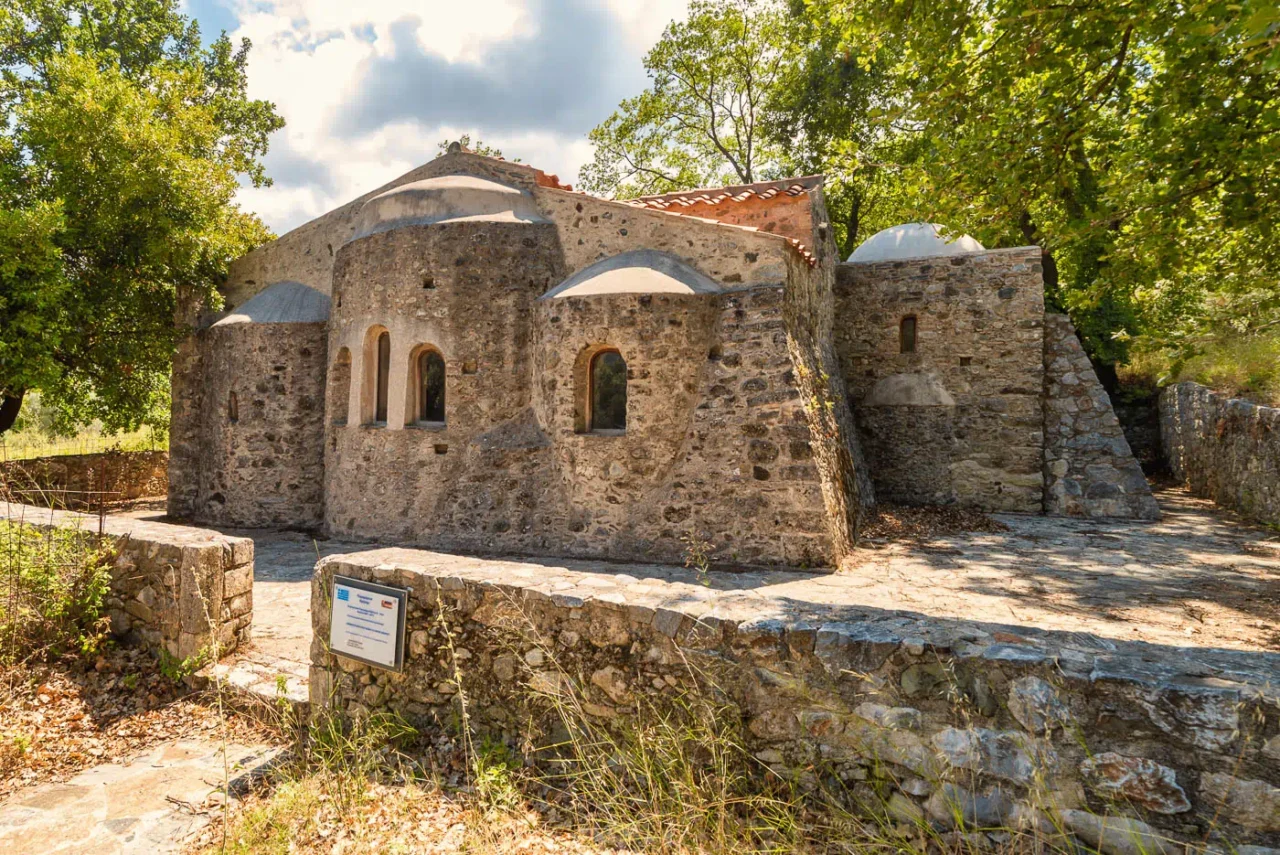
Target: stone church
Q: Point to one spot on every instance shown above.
(475, 357)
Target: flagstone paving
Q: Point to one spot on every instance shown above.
(148, 806)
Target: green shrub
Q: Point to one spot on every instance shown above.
(53, 589)
(1245, 367)
(1242, 366)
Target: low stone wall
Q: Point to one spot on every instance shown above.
(173, 588)
(1089, 470)
(1126, 745)
(1225, 449)
(87, 481)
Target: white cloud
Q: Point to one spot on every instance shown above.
(354, 82)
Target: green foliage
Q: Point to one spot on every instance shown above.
(1134, 141)
(828, 114)
(494, 771)
(702, 120)
(177, 669)
(53, 589)
(121, 143)
(1242, 366)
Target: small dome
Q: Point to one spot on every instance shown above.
(281, 303)
(446, 199)
(643, 271)
(912, 240)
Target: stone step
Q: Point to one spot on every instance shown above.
(275, 691)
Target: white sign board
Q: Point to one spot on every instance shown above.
(367, 622)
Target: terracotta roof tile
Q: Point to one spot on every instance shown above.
(718, 195)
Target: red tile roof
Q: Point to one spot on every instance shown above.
(671, 203)
(737, 193)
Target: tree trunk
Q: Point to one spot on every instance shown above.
(852, 225)
(1047, 262)
(10, 406)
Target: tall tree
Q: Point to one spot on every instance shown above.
(832, 112)
(122, 139)
(702, 120)
(1134, 141)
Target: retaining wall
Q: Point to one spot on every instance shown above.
(1127, 745)
(1225, 449)
(83, 481)
(173, 588)
(1089, 470)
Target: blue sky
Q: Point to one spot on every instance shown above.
(369, 87)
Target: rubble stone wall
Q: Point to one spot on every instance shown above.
(1225, 449)
(810, 307)
(1128, 746)
(261, 462)
(959, 420)
(716, 446)
(1089, 470)
(86, 481)
(592, 229)
(173, 588)
(307, 253)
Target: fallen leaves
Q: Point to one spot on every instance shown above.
(897, 522)
(58, 718)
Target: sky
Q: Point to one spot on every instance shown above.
(368, 88)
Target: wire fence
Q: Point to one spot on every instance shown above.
(30, 447)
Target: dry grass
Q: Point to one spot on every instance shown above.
(674, 778)
(31, 444)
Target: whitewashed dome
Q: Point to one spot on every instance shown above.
(642, 271)
(912, 240)
(445, 199)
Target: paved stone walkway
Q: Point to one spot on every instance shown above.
(148, 806)
(1198, 578)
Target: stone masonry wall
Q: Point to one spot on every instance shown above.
(86, 481)
(979, 433)
(592, 229)
(809, 310)
(717, 446)
(307, 253)
(1129, 747)
(263, 464)
(173, 588)
(1223, 448)
(1089, 470)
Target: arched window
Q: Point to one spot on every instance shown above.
(430, 387)
(907, 335)
(608, 391)
(383, 378)
(233, 408)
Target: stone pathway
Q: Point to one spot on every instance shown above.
(1199, 577)
(147, 806)
(273, 665)
(275, 662)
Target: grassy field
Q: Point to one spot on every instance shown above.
(29, 444)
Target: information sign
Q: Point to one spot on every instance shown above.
(367, 622)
